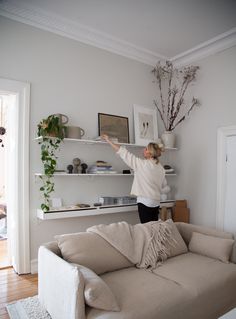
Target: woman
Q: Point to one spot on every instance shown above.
(149, 179)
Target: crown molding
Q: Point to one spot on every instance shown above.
(219, 43)
(38, 18)
(53, 23)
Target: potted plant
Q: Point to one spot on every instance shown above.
(51, 131)
(172, 106)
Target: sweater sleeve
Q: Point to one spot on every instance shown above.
(130, 159)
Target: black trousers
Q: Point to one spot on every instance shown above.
(147, 214)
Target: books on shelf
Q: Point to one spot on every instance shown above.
(101, 167)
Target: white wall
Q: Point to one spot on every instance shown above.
(197, 137)
(80, 81)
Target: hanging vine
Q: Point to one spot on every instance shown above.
(51, 132)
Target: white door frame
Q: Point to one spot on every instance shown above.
(21, 236)
(222, 134)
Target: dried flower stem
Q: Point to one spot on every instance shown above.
(170, 112)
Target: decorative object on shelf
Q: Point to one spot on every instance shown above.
(84, 167)
(82, 205)
(126, 171)
(145, 125)
(63, 119)
(48, 128)
(56, 202)
(168, 169)
(97, 204)
(114, 126)
(171, 105)
(70, 169)
(168, 139)
(76, 164)
(74, 132)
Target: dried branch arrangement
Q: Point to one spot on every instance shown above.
(173, 84)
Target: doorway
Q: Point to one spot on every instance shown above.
(17, 173)
(226, 182)
(4, 251)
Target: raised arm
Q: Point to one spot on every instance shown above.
(113, 145)
(130, 159)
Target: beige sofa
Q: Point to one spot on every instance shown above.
(199, 283)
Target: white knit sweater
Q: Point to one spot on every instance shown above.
(149, 177)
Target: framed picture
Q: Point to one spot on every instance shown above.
(114, 126)
(145, 125)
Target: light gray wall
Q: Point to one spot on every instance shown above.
(80, 81)
(197, 136)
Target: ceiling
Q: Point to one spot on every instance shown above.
(149, 29)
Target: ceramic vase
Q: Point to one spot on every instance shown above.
(168, 138)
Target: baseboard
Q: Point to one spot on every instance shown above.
(34, 266)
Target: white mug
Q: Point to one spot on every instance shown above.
(75, 132)
(63, 119)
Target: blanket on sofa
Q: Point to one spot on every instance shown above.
(143, 244)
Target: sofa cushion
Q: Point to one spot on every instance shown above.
(186, 286)
(141, 294)
(211, 283)
(179, 246)
(92, 251)
(96, 292)
(210, 246)
(186, 231)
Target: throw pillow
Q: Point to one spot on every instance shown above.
(214, 247)
(178, 245)
(92, 251)
(97, 294)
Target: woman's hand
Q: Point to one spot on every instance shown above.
(113, 145)
(105, 137)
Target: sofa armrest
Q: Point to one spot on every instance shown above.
(61, 286)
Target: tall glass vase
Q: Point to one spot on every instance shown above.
(168, 138)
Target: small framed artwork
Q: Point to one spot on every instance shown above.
(145, 125)
(116, 127)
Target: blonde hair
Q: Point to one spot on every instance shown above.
(155, 151)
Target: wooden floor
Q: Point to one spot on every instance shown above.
(14, 287)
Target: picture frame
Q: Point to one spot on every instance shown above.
(115, 126)
(145, 125)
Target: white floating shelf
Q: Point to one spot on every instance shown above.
(91, 211)
(86, 175)
(92, 142)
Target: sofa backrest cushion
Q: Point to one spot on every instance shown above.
(210, 246)
(186, 231)
(97, 294)
(179, 247)
(92, 251)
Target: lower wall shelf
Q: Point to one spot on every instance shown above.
(94, 211)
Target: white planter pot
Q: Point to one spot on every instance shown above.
(168, 138)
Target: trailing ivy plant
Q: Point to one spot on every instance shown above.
(51, 132)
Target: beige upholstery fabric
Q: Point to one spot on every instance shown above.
(92, 251)
(186, 231)
(179, 247)
(211, 283)
(210, 246)
(56, 276)
(96, 292)
(188, 286)
(141, 295)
